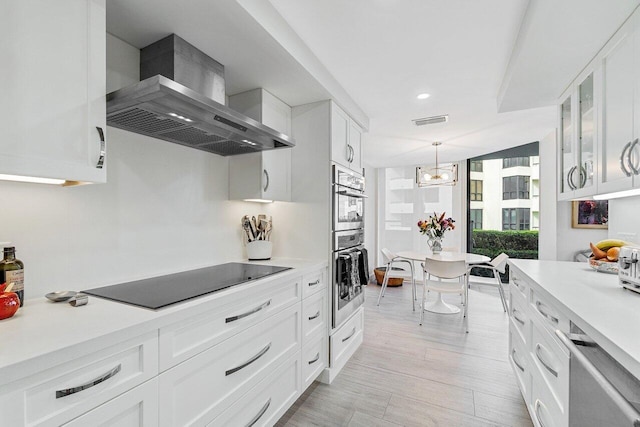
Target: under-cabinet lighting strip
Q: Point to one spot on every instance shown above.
(32, 179)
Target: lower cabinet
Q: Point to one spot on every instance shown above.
(540, 364)
(135, 408)
(346, 340)
(197, 391)
(267, 401)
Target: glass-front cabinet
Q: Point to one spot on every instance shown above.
(577, 141)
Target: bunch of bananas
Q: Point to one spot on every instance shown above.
(607, 249)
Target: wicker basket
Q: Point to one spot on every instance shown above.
(393, 281)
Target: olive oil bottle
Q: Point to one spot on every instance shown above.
(12, 271)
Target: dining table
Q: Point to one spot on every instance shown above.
(439, 305)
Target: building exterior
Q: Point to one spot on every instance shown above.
(505, 193)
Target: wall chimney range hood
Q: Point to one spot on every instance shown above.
(181, 98)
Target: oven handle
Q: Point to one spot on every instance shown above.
(625, 407)
(352, 194)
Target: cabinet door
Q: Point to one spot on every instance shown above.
(616, 118)
(566, 149)
(276, 171)
(340, 152)
(586, 138)
(53, 88)
(135, 408)
(355, 141)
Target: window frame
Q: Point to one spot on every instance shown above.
(516, 187)
(476, 196)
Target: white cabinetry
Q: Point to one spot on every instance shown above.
(540, 363)
(135, 408)
(56, 396)
(620, 110)
(53, 86)
(346, 140)
(577, 162)
(265, 175)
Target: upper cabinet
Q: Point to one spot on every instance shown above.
(577, 142)
(620, 110)
(599, 121)
(53, 87)
(346, 140)
(266, 175)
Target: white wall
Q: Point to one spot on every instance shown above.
(623, 219)
(371, 216)
(547, 237)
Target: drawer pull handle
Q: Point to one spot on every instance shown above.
(101, 378)
(539, 306)
(248, 362)
(259, 414)
(518, 285)
(537, 406)
(544, 363)
(317, 282)
(103, 149)
(315, 316)
(315, 359)
(513, 357)
(350, 335)
(515, 316)
(248, 313)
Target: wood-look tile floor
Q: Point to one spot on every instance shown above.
(405, 374)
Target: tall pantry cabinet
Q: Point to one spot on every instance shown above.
(53, 85)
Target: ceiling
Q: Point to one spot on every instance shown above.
(374, 56)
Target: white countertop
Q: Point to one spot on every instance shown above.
(43, 331)
(595, 302)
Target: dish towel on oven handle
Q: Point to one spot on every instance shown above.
(355, 269)
(364, 266)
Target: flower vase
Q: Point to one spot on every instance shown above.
(435, 244)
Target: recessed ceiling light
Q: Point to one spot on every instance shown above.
(423, 96)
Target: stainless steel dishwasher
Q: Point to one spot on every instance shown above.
(601, 391)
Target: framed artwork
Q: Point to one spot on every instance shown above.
(590, 214)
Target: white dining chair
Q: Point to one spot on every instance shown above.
(495, 266)
(446, 270)
(392, 259)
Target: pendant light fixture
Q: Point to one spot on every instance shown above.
(441, 175)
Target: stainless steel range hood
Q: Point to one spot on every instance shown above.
(174, 102)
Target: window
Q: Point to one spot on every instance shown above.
(475, 216)
(515, 187)
(476, 190)
(512, 162)
(476, 166)
(515, 219)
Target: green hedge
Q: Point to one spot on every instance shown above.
(516, 244)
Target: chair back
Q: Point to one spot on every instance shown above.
(388, 254)
(445, 269)
(500, 262)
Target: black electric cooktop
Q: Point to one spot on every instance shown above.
(162, 291)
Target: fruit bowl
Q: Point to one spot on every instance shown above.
(604, 265)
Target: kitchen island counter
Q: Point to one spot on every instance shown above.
(595, 302)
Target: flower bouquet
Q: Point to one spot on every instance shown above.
(434, 227)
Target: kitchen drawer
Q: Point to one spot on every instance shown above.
(314, 282)
(521, 365)
(314, 316)
(344, 342)
(552, 365)
(520, 320)
(198, 390)
(544, 409)
(135, 408)
(519, 286)
(224, 317)
(60, 394)
(314, 359)
(546, 314)
(264, 404)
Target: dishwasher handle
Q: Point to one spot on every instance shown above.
(627, 410)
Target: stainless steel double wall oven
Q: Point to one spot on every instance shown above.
(350, 268)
